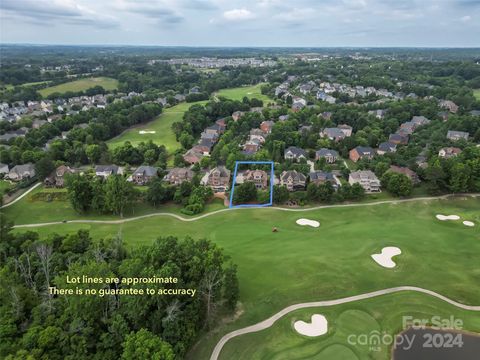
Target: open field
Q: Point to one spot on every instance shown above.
(300, 264)
(476, 93)
(81, 85)
(162, 125)
(240, 92)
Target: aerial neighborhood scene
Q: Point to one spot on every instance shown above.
(251, 180)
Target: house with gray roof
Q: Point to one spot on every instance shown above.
(329, 155)
(21, 172)
(107, 170)
(367, 180)
(294, 153)
(143, 175)
(293, 180)
(386, 148)
(457, 135)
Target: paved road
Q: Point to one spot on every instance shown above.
(21, 196)
(181, 218)
(271, 320)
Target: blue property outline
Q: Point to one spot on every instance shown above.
(272, 177)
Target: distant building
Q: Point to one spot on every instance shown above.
(367, 180)
(295, 154)
(144, 174)
(266, 126)
(329, 155)
(386, 148)
(449, 105)
(449, 152)
(192, 156)
(412, 175)
(57, 177)
(399, 139)
(107, 170)
(457, 135)
(293, 180)
(21, 172)
(176, 176)
(361, 152)
(219, 179)
(258, 177)
(322, 177)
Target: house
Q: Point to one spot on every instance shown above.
(215, 129)
(346, 129)
(266, 126)
(407, 128)
(386, 148)
(293, 180)
(361, 152)
(21, 172)
(457, 135)
(295, 153)
(420, 121)
(297, 106)
(3, 168)
(335, 134)
(283, 117)
(219, 179)
(204, 146)
(449, 152)
(251, 146)
(144, 174)
(237, 115)
(412, 175)
(176, 176)
(107, 170)
(443, 115)
(192, 156)
(179, 97)
(57, 177)
(379, 114)
(329, 155)
(322, 177)
(195, 90)
(449, 105)
(367, 180)
(258, 177)
(37, 123)
(398, 138)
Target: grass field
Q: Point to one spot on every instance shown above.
(476, 93)
(240, 92)
(162, 126)
(300, 264)
(4, 185)
(81, 85)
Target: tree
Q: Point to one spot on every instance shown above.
(397, 184)
(145, 345)
(280, 194)
(231, 290)
(118, 194)
(44, 167)
(79, 191)
(156, 193)
(94, 152)
(244, 193)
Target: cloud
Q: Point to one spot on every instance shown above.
(65, 11)
(466, 18)
(238, 15)
(296, 14)
(198, 4)
(154, 9)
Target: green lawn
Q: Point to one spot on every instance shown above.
(476, 93)
(5, 185)
(81, 85)
(162, 126)
(300, 264)
(240, 92)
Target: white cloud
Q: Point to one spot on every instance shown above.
(296, 14)
(466, 18)
(238, 15)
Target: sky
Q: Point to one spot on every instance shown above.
(286, 23)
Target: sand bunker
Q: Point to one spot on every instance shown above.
(448, 217)
(308, 222)
(469, 223)
(141, 132)
(317, 327)
(385, 257)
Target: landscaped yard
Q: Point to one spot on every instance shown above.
(4, 185)
(158, 130)
(300, 264)
(81, 85)
(240, 92)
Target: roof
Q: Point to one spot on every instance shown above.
(20, 169)
(293, 174)
(297, 152)
(387, 146)
(321, 175)
(222, 171)
(364, 150)
(326, 152)
(106, 168)
(457, 134)
(363, 175)
(146, 171)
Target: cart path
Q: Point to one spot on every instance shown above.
(271, 320)
(181, 218)
(21, 196)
